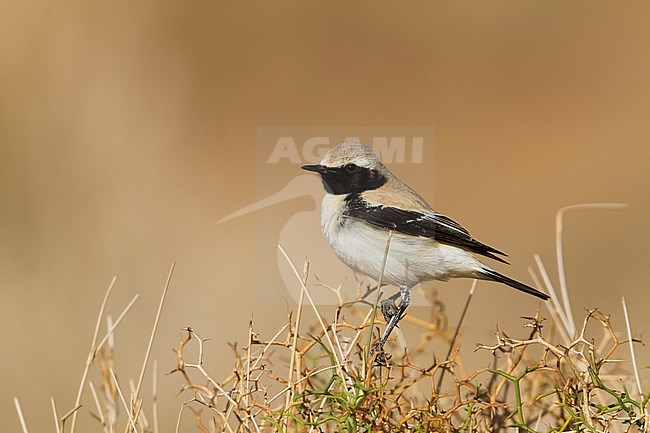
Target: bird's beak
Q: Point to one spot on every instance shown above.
(314, 168)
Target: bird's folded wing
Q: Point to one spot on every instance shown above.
(415, 223)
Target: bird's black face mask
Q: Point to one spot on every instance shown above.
(348, 179)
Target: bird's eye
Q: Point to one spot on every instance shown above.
(351, 168)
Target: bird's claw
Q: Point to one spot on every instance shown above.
(381, 359)
(388, 309)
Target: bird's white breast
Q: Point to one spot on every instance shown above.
(410, 260)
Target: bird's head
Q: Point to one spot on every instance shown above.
(349, 168)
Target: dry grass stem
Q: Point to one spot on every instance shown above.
(154, 398)
(294, 362)
(316, 312)
(635, 369)
(555, 300)
(113, 326)
(98, 406)
(92, 352)
(56, 415)
(153, 332)
(19, 410)
(126, 406)
(559, 250)
(456, 333)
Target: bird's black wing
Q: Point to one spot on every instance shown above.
(429, 225)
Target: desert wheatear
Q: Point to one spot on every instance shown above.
(364, 201)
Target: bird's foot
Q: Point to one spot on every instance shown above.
(388, 308)
(381, 359)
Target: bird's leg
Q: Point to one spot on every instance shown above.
(395, 317)
(388, 307)
(405, 295)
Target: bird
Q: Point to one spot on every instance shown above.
(364, 202)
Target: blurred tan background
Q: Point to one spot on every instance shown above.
(128, 128)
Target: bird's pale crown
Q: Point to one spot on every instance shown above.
(350, 152)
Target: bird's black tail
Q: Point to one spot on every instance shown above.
(495, 276)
